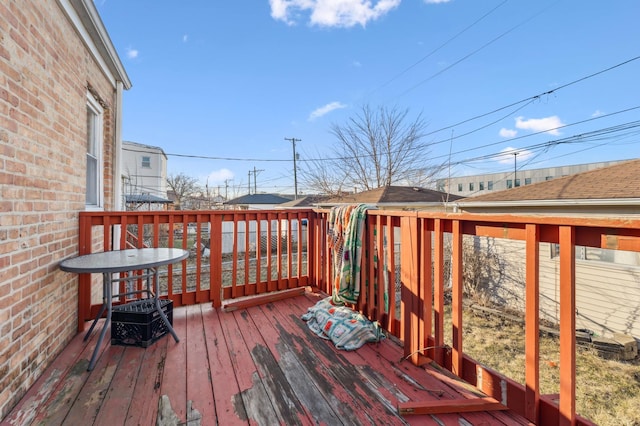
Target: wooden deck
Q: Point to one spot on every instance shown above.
(259, 365)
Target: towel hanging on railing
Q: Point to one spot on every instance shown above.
(344, 237)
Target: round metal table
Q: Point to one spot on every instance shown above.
(130, 260)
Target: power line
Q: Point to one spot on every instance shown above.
(467, 56)
(528, 100)
(295, 169)
(468, 27)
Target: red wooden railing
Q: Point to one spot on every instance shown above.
(233, 254)
(402, 276)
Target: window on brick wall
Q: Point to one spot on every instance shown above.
(94, 197)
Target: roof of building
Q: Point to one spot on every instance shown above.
(306, 201)
(259, 199)
(620, 181)
(395, 195)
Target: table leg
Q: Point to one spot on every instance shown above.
(156, 298)
(102, 309)
(107, 290)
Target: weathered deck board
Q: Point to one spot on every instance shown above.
(224, 382)
(199, 389)
(174, 380)
(255, 365)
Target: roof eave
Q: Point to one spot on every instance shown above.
(551, 203)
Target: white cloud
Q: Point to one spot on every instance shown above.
(331, 13)
(132, 53)
(547, 124)
(597, 113)
(512, 156)
(508, 133)
(319, 112)
(218, 176)
(185, 38)
(436, 1)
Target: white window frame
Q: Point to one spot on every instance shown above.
(146, 162)
(94, 136)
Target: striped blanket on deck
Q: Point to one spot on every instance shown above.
(346, 328)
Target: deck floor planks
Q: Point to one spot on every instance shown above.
(144, 403)
(174, 380)
(51, 379)
(120, 390)
(250, 354)
(384, 357)
(359, 403)
(63, 399)
(224, 383)
(279, 389)
(253, 401)
(92, 394)
(306, 391)
(199, 388)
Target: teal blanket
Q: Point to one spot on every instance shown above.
(346, 328)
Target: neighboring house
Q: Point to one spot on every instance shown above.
(257, 202)
(396, 198)
(469, 186)
(607, 281)
(308, 201)
(144, 175)
(61, 85)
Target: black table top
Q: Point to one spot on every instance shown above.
(123, 260)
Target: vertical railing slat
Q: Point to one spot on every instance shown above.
(532, 324)
(409, 281)
(567, 326)
(426, 284)
(456, 297)
(438, 291)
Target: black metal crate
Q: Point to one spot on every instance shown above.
(138, 323)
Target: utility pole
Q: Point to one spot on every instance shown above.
(255, 178)
(515, 168)
(226, 189)
(295, 169)
(249, 183)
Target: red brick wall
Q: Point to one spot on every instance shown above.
(45, 72)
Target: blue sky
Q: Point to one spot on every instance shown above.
(219, 85)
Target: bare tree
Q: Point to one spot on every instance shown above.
(375, 148)
(321, 175)
(183, 187)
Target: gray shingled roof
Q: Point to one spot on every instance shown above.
(620, 181)
(306, 201)
(395, 195)
(259, 199)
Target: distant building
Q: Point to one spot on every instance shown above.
(607, 290)
(144, 176)
(469, 186)
(257, 202)
(396, 198)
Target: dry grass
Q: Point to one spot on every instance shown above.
(607, 391)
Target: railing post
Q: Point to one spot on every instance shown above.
(438, 291)
(456, 297)
(215, 260)
(84, 280)
(409, 282)
(532, 324)
(425, 283)
(567, 326)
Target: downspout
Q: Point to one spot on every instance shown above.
(117, 175)
(117, 166)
